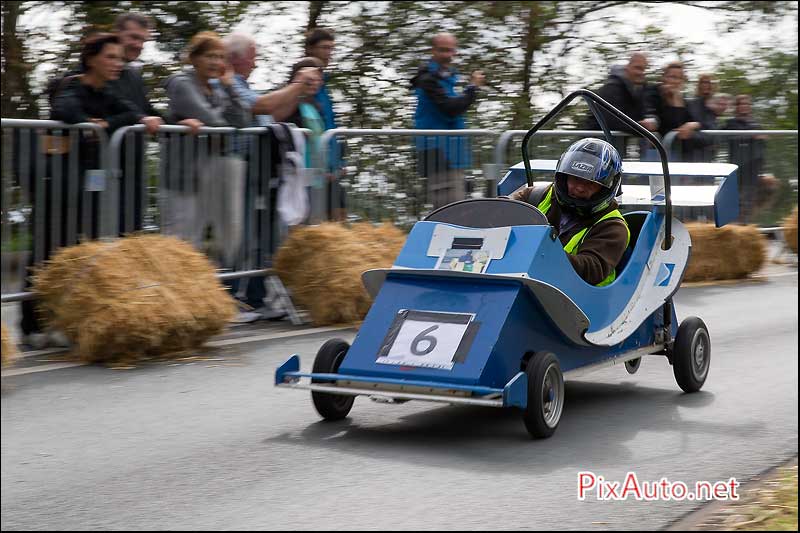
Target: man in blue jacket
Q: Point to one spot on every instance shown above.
(442, 160)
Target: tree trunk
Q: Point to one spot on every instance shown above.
(522, 111)
(17, 99)
(314, 11)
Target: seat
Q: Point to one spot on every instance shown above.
(635, 221)
(489, 213)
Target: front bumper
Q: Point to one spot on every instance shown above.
(514, 394)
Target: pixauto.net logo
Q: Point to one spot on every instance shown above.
(590, 484)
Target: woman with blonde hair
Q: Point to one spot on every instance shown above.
(205, 187)
(193, 95)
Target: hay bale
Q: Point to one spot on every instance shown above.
(790, 230)
(9, 349)
(730, 252)
(140, 296)
(322, 266)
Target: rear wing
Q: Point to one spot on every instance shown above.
(717, 185)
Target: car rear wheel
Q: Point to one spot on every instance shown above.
(691, 354)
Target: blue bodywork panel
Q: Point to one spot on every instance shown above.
(726, 201)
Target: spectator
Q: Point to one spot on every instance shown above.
(242, 59)
(746, 151)
(90, 97)
(134, 31)
(666, 101)
(720, 103)
(701, 147)
(296, 103)
(625, 89)
(259, 184)
(442, 160)
(320, 44)
(191, 93)
(214, 202)
(83, 97)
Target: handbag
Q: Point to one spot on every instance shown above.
(56, 144)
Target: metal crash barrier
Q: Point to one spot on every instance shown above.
(55, 193)
(399, 174)
(767, 176)
(216, 190)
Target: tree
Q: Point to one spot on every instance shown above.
(18, 100)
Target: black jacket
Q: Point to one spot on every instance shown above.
(745, 150)
(130, 86)
(623, 95)
(700, 148)
(75, 102)
(669, 117)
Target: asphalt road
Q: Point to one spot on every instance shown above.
(211, 444)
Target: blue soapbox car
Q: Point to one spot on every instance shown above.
(482, 306)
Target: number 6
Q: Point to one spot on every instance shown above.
(423, 336)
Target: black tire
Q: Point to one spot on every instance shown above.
(691, 354)
(329, 357)
(545, 395)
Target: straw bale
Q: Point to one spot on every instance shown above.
(790, 230)
(140, 296)
(729, 252)
(9, 349)
(322, 266)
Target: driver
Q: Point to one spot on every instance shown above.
(580, 205)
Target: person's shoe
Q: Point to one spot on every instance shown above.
(245, 317)
(57, 339)
(272, 314)
(36, 341)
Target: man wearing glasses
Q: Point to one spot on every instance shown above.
(320, 44)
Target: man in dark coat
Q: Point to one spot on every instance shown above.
(625, 89)
(134, 31)
(746, 151)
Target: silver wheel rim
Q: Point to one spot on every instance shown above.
(552, 395)
(700, 354)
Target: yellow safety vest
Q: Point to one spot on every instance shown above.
(575, 242)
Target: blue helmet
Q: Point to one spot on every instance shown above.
(593, 160)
